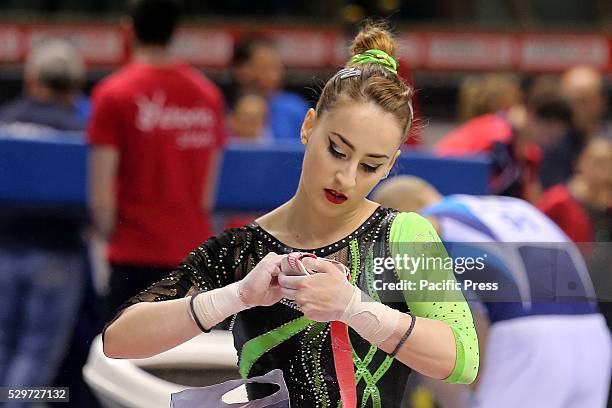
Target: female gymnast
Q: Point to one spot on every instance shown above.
(283, 320)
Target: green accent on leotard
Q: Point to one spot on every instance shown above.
(448, 306)
(258, 346)
(362, 371)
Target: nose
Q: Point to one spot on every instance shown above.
(346, 176)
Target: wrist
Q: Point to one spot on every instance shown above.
(352, 306)
(212, 307)
(373, 321)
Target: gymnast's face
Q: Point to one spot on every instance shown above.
(349, 149)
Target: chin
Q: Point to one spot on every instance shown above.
(329, 209)
(325, 208)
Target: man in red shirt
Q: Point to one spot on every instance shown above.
(156, 132)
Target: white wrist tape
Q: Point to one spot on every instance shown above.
(373, 321)
(214, 306)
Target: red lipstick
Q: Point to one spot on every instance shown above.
(334, 197)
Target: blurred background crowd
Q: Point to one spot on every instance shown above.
(525, 83)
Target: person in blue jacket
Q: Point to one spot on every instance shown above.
(258, 69)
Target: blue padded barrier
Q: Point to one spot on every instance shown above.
(253, 178)
(259, 179)
(43, 172)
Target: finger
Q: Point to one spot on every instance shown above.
(290, 294)
(323, 265)
(310, 264)
(274, 257)
(284, 265)
(275, 271)
(297, 269)
(291, 282)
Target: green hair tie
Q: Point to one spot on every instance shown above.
(375, 57)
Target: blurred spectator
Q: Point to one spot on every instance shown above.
(583, 87)
(41, 252)
(549, 122)
(582, 207)
(548, 116)
(53, 75)
(515, 159)
(258, 69)
(479, 95)
(248, 120)
(156, 131)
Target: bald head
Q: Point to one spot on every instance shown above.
(583, 87)
(406, 193)
(582, 76)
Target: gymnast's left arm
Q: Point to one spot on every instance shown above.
(443, 343)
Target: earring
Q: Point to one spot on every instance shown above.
(304, 140)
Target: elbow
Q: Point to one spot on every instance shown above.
(109, 352)
(463, 367)
(441, 371)
(109, 345)
(103, 222)
(114, 347)
(445, 372)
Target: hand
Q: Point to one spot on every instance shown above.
(323, 295)
(260, 286)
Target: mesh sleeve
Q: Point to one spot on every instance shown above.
(412, 235)
(214, 264)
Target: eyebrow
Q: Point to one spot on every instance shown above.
(346, 142)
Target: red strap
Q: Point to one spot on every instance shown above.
(343, 362)
(343, 359)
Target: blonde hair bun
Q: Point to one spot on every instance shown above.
(373, 36)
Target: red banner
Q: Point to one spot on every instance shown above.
(541, 52)
(204, 47)
(304, 48)
(316, 48)
(468, 51)
(99, 45)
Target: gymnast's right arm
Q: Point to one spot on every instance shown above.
(159, 318)
(146, 329)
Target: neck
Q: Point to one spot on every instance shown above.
(314, 229)
(152, 54)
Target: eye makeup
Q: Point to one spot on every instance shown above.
(333, 150)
